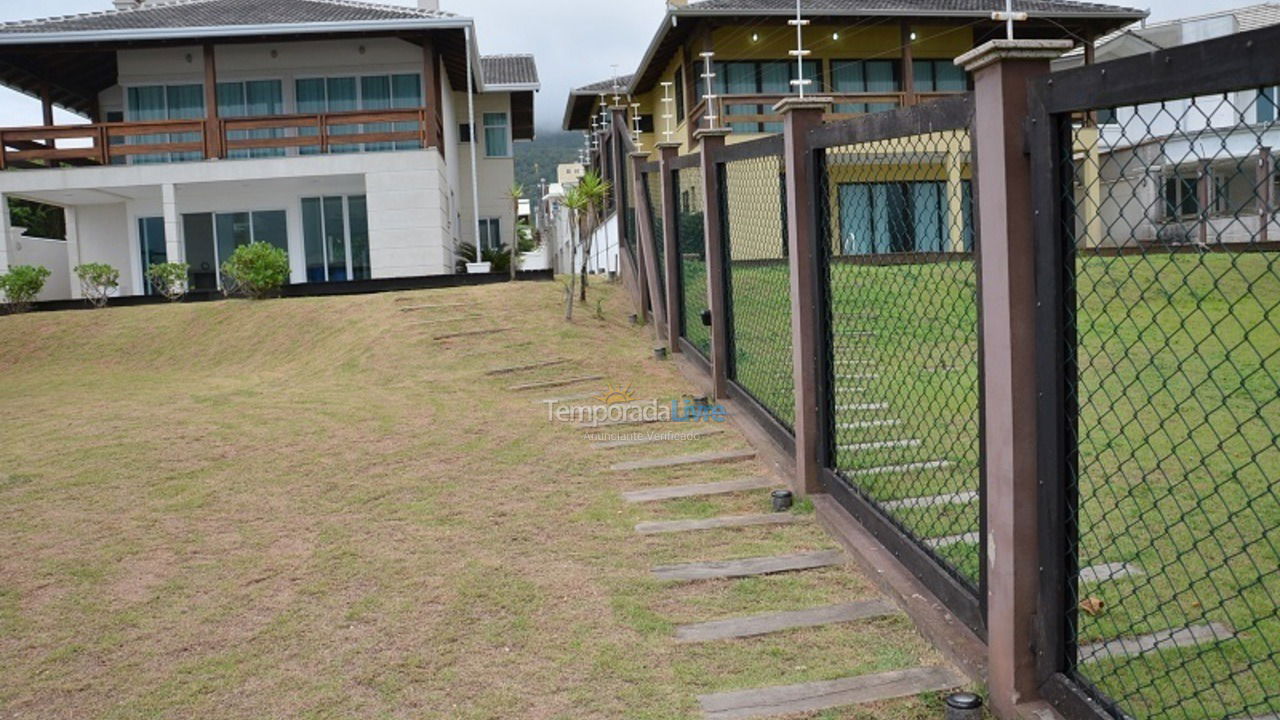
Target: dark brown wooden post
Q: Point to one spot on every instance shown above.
(46, 104)
(212, 129)
(1204, 197)
(801, 116)
(1265, 181)
(431, 76)
(717, 294)
(908, 66)
(634, 274)
(1001, 71)
(648, 248)
(670, 242)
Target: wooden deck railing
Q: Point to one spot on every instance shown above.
(108, 143)
(765, 103)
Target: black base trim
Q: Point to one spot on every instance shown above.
(783, 437)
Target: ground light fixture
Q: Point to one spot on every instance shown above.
(964, 706)
(782, 502)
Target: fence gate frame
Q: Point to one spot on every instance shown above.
(1239, 62)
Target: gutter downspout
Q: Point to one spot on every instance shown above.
(475, 138)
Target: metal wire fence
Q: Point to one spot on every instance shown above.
(693, 258)
(653, 197)
(901, 298)
(758, 280)
(1173, 364)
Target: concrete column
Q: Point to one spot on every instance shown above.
(1266, 169)
(648, 248)
(955, 201)
(72, 219)
(671, 242)
(717, 300)
(172, 223)
(1002, 70)
(799, 117)
(4, 240)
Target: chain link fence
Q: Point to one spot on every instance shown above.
(653, 199)
(1173, 307)
(901, 297)
(693, 258)
(758, 279)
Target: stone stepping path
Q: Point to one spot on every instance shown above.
(442, 321)
(723, 456)
(860, 376)
(450, 306)
(894, 469)
(815, 696)
(948, 541)
(863, 407)
(1163, 640)
(749, 567)
(857, 363)
(1109, 571)
(555, 383)
(723, 487)
(959, 498)
(472, 333)
(881, 445)
(526, 368)
(655, 439)
(754, 625)
(716, 523)
(865, 424)
(567, 399)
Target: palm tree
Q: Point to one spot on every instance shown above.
(595, 191)
(579, 205)
(516, 193)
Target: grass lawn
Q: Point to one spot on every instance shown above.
(1178, 449)
(310, 509)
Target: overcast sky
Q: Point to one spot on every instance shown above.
(576, 41)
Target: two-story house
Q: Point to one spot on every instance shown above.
(367, 140)
(728, 62)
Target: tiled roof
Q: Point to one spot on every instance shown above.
(1250, 17)
(160, 14)
(622, 82)
(903, 7)
(510, 69)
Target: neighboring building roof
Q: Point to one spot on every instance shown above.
(1166, 33)
(510, 70)
(622, 82)
(222, 13)
(950, 8)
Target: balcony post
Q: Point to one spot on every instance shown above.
(46, 104)
(908, 67)
(431, 100)
(649, 250)
(713, 229)
(212, 129)
(172, 225)
(1002, 70)
(671, 242)
(800, 116)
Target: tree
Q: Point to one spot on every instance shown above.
(21, 285)
(40, 220)
(97, 282)
(578, 205)
(595, 191)
(516, 193)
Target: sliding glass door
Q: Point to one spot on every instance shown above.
(370, 92)
(253, 98)
(211, 238)
(335, 232)
(151, 245)
(165, 102)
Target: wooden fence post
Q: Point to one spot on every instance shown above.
(1265, 182)
(671, 242)
(1002, 70)
(648, 248)
(619, 159)
(801, 116)
(717, 298)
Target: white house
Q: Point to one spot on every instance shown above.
(337, 130)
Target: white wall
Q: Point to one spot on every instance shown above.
(102, 235)
(496, 174)
(42, 252)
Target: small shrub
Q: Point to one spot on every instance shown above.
(169, 279)
(257, 270)
(97, 282)
(21, 285)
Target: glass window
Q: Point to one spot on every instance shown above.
(165, 102)
(678, 90)
(335, 235)
(1267, 98)
(151, 244)
(900, 217)
(490, 233)
(939, 76)
(197, 234)
(496, 142)
(335, 239)
(232, 231)
(255, 98)
(358, 216)
(272, 227)
(866, 76)
(313, 239)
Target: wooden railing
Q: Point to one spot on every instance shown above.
(113, 143)
(765, 103)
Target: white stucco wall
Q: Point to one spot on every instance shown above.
(102, 235)
(496, 174)
(42, 252)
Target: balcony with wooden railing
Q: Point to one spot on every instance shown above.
(215, 138)
(757, 110)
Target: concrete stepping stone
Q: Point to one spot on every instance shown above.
(864, 424)
(442, 321)
(959, 498)
(723, 487)
(860, 376)
(856, 363)
(894, 469)
(764, 624)
(855, 333)
(567, 399)
(707, 458)
(1163, 640)
(749, 567)
(655, 438)
(447, 306)
(862, 407)
(971, 538)
(555, 383)
(815, 696)
(880, 445)
(525, 368)
(715, 523)
(472, 333)
(1109, 571)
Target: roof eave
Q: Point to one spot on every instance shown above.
(513, 87)
(225, 31)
